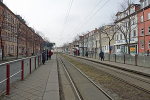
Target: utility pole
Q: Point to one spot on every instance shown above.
(144, 31)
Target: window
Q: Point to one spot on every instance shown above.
(146, 2)
(5, 48)
(5, 36)
(12, 49)
(142, 32)
(149, 30)
(143, 4)
(133, 21)
(134, 33)
(149, 44)
(8, 49)
(120, 36)
(149, 16)
(117, 37)
(8, 36)
(118, 47)
(141, 18)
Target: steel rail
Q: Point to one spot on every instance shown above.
(92, 81)
(71, 81)
(131, 84)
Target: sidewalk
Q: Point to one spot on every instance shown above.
(136, 69)
(42, 84)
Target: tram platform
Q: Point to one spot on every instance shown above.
(132, 68)
(42, 84)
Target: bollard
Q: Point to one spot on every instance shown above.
(135, 60)
(124, 59)
(22, 68)
(35, 62)
(8, 79)
(115, 57)
(95, 55)
(30, 65)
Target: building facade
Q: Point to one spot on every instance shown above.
(127, 30)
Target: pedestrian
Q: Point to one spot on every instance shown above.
(50, 54)
(76, 52)
(147, 52)
(47, 55)
(86, 54)
(43, 57)
(101, 54)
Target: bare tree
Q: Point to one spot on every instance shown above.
(126, 21)
(18, 34)
(110, 33)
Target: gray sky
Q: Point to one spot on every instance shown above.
(49, 16)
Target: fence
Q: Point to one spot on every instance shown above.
(124, 58)
(13, 71)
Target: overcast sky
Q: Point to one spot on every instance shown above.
(50, 16)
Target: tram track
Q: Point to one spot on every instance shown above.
(145, 81)
(125, 77)
(79, 81)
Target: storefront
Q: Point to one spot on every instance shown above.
(121, 46)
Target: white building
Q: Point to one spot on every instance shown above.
(125, 25)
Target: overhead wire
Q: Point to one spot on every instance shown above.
(88, 14)
(92, 16)
(66, 18)
(67, 15)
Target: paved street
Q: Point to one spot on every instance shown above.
(42, 84)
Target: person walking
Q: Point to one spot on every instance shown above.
(50, 54)
(101, 55)
(43, 57)
(86, 54)
(147, 52)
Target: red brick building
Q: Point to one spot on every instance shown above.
(13, 27)
(144, 27)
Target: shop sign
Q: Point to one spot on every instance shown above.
(132, 49)
(124, 41)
